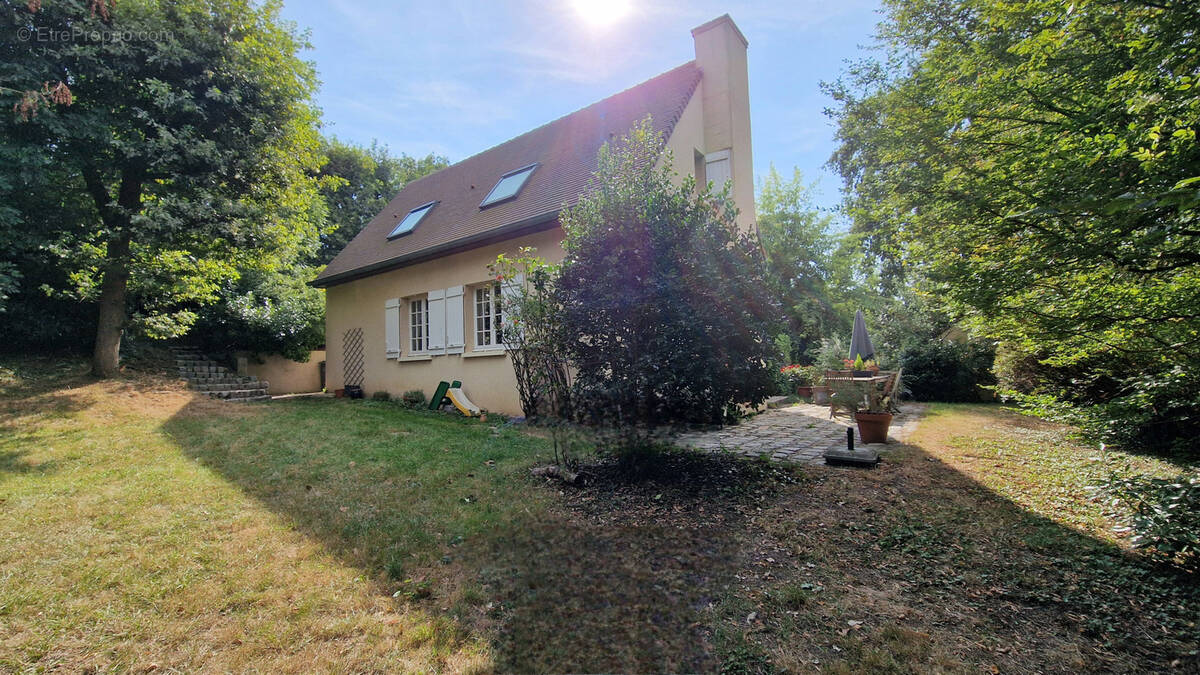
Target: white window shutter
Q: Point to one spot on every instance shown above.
(455, 340)
(716, 169)
(391, 323)
(437, 321)
(510, 289)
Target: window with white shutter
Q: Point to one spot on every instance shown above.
(717, 169)
(418, 326)
(455, 340)
(391, 323)
(510, 289)
(487, 316)
(437, 321)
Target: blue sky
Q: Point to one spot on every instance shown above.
(456, 77)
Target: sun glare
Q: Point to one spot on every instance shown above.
(601, 13)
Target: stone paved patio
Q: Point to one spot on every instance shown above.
(799, 433)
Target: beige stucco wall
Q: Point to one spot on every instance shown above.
(487, 376)
(724, 93)
(283, 375)
(688, 140)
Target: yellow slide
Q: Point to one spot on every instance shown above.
(460, 401)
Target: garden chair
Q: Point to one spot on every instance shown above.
(893, 390)
(845, 396)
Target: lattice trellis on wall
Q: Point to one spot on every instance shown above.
(352, 355)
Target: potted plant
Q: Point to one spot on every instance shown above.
(805, 381)
(798, 379)
(860, 368)
(869, 407)
(816, 379)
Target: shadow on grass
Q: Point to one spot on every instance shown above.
(920, 544)
(17, 462)
(662, 575)
(613, 577)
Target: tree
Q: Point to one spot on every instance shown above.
(191, 136)
(266, 312)
(358, 183)
(799, 250)
(665, 311)
(273, 310)
(1034, 166)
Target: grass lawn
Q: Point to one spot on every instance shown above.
(143, 528)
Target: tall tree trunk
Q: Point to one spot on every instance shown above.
(106, 358)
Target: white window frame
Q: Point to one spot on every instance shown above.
(494, 316)
(720, 158)
(418, 306)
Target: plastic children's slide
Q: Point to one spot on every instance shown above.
(460, 401)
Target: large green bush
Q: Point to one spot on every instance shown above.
(1136, 404)
(664, 315)
(946, 370)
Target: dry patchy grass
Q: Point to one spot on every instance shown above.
(975, 548)
(141, 530)
(144, 527)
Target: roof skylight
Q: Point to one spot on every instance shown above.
(509, 186)
(410, 221)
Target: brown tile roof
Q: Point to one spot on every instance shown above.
(566, 151)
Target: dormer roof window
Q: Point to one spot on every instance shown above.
(509, 186)
(410, 221)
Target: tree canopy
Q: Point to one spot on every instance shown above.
(800, 249)
(1034, 166)
(189, 151)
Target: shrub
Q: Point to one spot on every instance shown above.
(664, 316)
(414, 398)
(1113, 399)
(381, 396)
(945, 370)
(1164, 514)
(1157, 411)
(800, 376)
(831, 353)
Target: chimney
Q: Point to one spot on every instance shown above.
(725, 100)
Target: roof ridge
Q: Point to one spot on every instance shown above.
(671, 122)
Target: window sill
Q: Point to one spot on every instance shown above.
(479, 353)
(416, 357)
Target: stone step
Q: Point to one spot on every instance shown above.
(249, 399)
(229, 386)
(229, 379)
(203, 370)
(232, 394)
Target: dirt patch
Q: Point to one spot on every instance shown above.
(621, 575)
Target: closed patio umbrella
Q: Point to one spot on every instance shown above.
(860, 342)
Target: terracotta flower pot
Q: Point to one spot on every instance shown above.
(804, 391)
(873, 427)
(820, 395)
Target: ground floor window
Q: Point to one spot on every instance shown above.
(418, 323)
(487, 316)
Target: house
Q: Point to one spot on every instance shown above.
(410, 301)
